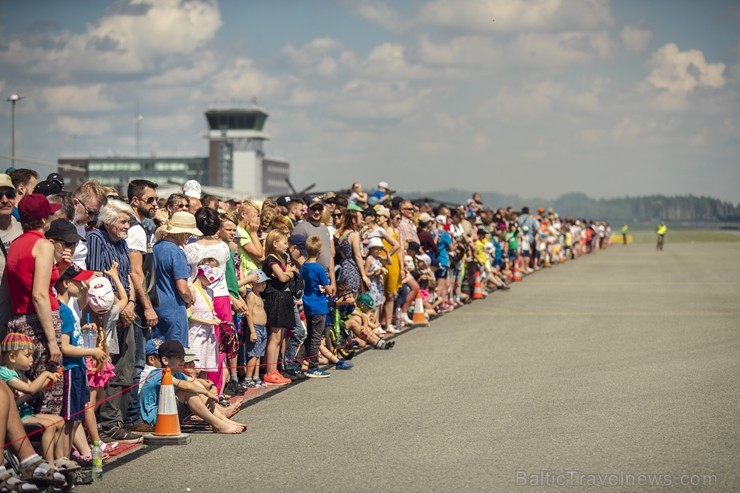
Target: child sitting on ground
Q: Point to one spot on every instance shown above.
(360, 323)
(256, 320)
(17, 356)
(193, 395)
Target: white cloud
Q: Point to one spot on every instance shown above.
(241, 81)
(678, 73)
(81, 126)
(314, 58)
(371, 100)
(559, 49)
(635, 39)
(515, 15)
(77, 98)
(136, 37)
(465, 51)
(377, 12)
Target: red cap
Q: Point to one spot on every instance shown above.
(36, 206)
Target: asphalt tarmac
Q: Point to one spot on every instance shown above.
(617, 372)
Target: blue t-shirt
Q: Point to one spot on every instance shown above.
(314, 301)
(71, 327)
(170, 264)
(443, 244)
(149, 394)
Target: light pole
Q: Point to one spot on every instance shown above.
(13, 98)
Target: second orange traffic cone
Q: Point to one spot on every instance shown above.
(419, 317)
(167, 427)
(477, 288)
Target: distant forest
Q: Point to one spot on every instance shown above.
(651, 208)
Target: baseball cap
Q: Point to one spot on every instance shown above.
(315, 201)
(57, 178)
(441, 219)
(383, 184)
(63, 230)
(425, 217)
(283, 200)
(151, 347)
(262, 277)
(36, 206)
(298, 241)
(424, 258)
(382, 211)
(100, 296)
(367, 300)
(74, 273)
(355, 207)
(5, 181)
(47, 188)
(414, 246)
(191, 188)
(171, 348)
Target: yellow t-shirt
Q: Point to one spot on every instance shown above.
(247, 262)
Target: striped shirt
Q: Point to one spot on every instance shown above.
(102, 251)
(407, 231)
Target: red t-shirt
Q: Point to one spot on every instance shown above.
(20, 267)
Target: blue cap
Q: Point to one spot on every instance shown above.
(151, 348)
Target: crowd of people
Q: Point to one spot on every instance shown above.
(100, 291)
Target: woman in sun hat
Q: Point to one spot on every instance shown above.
(172, 272)
(31, 273)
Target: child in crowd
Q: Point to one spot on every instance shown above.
(256, 320)
(152, 360)
(361, 324)
(278, 301)
(16, 359)
(316, 284)
(101, 313)
(76, 388)
(194, 396)
(375, 270)
(202, 318)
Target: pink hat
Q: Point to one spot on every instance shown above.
(213, 274)
(100, 296)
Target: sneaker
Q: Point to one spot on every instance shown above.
(122, 436)
(231, 388)
(317, 373)
(259, 384)
(406, 319)
(141, 428)
(343, 365)
(275, 378)
(83, 476)
(392, 330)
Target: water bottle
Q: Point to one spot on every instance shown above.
(97, 462)
(398, 317)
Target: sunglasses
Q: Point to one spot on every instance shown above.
(151, 200)
(319, 208)
(185, 205)
(337, 215)
(10, 194)
(89, 211)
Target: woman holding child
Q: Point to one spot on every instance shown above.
(172, 273)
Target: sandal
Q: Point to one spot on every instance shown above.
(11, 484)
(41, 473)
(65, 465)
(223, 401)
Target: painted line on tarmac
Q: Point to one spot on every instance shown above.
(620, 314)
(637, 283)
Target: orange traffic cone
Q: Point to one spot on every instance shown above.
(167, 427)
(517, 276)
(477, 289)
(419, 317)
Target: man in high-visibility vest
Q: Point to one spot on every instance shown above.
(625, 228)
(662, 228)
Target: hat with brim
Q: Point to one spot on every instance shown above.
(63, 230)
(5, 181)
(74, 273)
(354, 207)
(367, 300)
(261, 276)
(183, 222)
(190, 358)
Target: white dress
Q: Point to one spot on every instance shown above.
(202, 337)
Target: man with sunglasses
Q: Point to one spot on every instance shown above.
(88, 199)
(142, 197)
(10, 229)
(312, 226)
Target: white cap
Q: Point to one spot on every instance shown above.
(261, 276)
(425, 217)
(192, 188)
(100, 296)
(383, 184)
(375, 243)
(424, 258)
(441, 219)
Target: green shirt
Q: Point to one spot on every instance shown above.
(6, 375)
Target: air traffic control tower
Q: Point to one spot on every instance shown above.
(236, 158)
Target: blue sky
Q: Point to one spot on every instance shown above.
(553, 96)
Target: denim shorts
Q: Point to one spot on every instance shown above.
(257, 349)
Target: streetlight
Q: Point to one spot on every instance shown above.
(13, 98)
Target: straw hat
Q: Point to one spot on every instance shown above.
(183, 222)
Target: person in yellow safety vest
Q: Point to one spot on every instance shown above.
(625, 228)
(662, 228)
